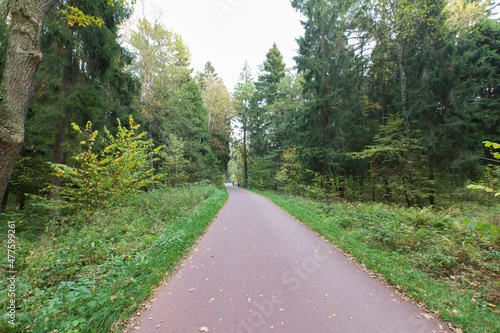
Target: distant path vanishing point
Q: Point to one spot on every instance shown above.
(259, 270)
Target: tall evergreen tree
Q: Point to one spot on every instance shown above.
(333, 72)
(263, 121)
(243, 92)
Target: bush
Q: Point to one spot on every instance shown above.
(100, 178)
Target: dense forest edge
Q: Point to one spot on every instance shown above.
(388, 125)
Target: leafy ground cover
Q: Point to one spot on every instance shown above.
(429, 255)
(88, 277)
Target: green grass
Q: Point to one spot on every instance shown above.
(91, 277)
(429, 255)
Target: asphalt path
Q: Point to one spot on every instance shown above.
(258, 269)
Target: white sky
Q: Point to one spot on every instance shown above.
(228, 32)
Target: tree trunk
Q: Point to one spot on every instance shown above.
(16, 89)
(325, 113)
(5, 200)
(21, 200)
(68, 80)
(414, 198)
(383, 97)
(404, 91)
(432, 163)
(245, 156)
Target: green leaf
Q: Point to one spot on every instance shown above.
(495, 230)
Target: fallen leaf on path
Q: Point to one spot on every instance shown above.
(427, 316)
(333, 316)
(204, 329)
(191, 290)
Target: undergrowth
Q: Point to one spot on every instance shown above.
(88, 277)
(430, 255)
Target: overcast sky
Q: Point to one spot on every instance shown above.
(228, 32)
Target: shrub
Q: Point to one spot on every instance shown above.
(99, 178)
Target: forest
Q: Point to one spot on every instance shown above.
(391, 102)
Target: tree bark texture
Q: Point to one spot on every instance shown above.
(16, 89)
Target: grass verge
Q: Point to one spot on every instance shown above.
(89, 277)
(430, 256)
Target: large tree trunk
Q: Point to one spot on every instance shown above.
(16, 89)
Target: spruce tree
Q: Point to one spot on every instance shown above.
(333, 72)
(263, 122)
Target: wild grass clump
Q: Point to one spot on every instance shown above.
(87, 277)
(432, 255)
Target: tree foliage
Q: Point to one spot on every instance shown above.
(242, 95)
(290, 172)
(220, 111)
(173, 161)
(491, 183)
(100, 177)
